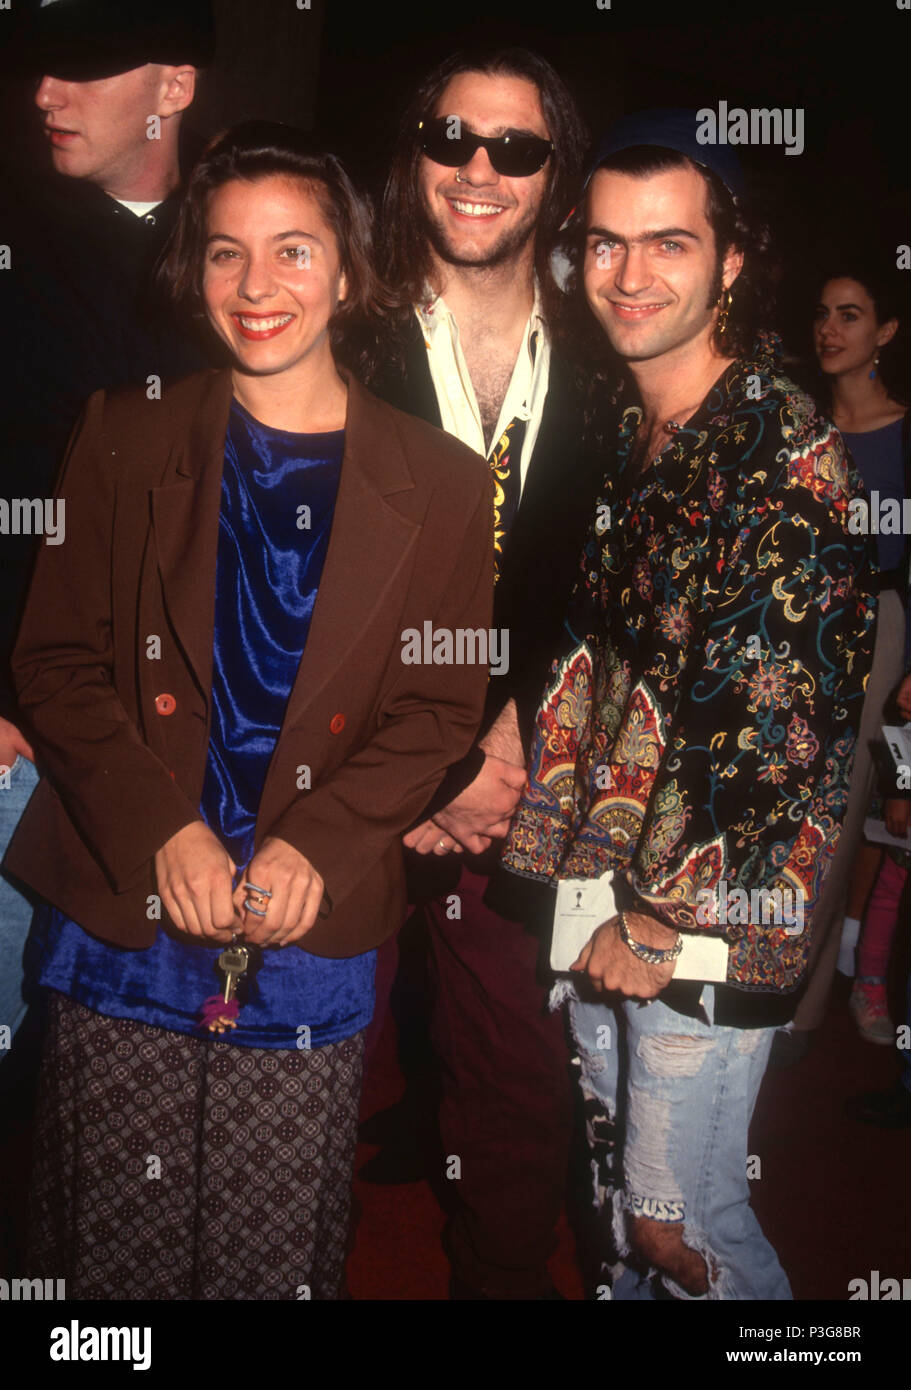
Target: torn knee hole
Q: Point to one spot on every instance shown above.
(661, 1244)
(672, 1055)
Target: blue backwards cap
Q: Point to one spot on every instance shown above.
(671, 128)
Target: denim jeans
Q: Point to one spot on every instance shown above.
(668, 1102)
(15, 910)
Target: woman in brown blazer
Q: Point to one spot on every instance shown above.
(218, 668)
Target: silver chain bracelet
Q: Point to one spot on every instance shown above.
(652, 955)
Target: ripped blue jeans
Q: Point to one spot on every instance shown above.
(668, 1103)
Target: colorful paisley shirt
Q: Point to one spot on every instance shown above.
(699, 728)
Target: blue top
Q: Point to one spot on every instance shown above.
(878, 455)
(271, 552)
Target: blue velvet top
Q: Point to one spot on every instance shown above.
(271, 551)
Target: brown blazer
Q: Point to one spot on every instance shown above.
(411, 540)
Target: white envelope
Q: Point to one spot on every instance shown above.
(702, 958)
(584, 904)
(876, 830)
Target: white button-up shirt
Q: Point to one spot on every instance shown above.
(456, 397)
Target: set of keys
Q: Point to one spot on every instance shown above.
(220, 1012)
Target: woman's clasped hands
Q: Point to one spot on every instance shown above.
(276, 904)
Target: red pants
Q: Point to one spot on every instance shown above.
(875, 945)
(506, 1102)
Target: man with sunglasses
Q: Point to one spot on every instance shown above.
(479, 188)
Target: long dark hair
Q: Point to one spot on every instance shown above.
(883, 288)
(405, 248)
(256, 150)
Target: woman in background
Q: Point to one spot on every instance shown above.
(856, 322)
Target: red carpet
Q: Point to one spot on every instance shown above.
(833, 1195)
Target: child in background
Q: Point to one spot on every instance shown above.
(868, 1001)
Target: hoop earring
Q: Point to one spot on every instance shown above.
(725, 300)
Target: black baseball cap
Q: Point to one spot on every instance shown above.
(84, 40)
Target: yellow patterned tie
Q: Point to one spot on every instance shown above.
(505, 486)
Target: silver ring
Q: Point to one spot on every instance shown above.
(257, 912)
(265, 891)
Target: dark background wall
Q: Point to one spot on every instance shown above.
(345, 67)
(848, 70)
(267, 63)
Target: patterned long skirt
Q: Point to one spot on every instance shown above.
(172, 1167)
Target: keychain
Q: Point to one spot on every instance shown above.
(220, 1011)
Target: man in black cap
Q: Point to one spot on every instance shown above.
(112, 85)
(690, 766)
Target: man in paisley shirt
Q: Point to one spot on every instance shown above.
(694, 744)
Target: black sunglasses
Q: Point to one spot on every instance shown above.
(444, 140)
